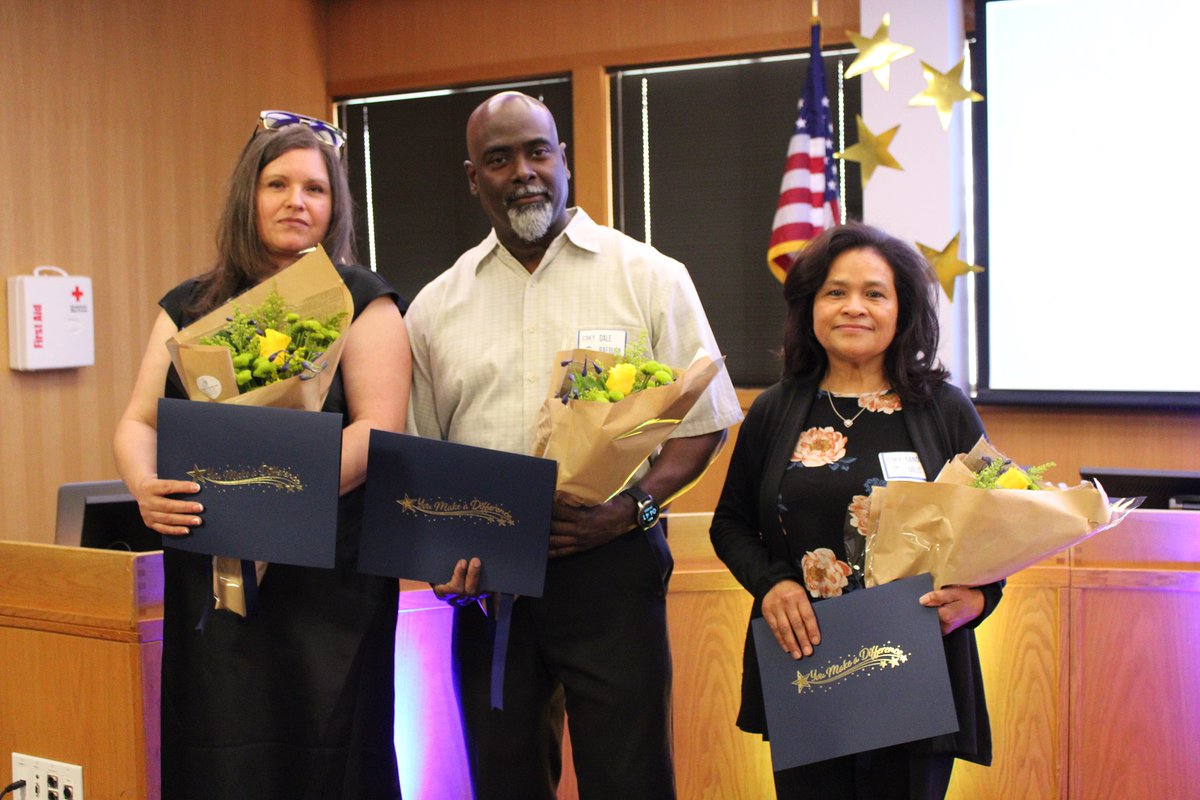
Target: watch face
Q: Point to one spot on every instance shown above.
(647, 514)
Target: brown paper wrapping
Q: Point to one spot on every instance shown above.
(312, 288)
(969, 537)
(599, 446)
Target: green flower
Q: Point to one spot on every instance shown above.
(269, 343)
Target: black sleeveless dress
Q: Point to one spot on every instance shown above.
(297, 700)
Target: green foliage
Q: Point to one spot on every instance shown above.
(301, 342)
(590, 381)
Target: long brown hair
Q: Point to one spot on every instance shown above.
(242, 258)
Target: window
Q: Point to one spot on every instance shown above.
(414, 215)
(717, 135)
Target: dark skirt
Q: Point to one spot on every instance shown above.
(297, 700)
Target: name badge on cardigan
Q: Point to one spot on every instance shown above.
(901, 466)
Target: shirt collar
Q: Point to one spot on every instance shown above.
(580, 231)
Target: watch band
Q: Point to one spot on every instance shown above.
(646, 513)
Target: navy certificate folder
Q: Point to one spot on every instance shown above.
(268, 479)
(430, 503)
(877, 679)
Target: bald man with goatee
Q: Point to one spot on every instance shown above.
(484, 335)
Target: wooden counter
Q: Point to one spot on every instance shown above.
(81, 642)
(1092, 668)
(1091, 663)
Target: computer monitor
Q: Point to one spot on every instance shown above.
(101, 514)
(1162, 488)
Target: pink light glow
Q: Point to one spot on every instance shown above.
(429, 743)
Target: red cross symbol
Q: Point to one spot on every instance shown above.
(77, 294)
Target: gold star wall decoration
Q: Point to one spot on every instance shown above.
(947, 264)
(876, 54)
(943, 91)
(871, 151)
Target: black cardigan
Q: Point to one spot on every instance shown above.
(747, 536)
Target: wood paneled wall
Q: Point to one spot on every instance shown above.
(1077, 437)
(121, 122)
(380, 46)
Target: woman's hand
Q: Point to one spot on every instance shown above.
(956, 605)
(789, 614)
(164, 514)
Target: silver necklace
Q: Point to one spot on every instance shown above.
(849, 422)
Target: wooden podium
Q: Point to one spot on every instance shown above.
(80, 647)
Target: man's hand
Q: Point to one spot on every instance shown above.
(956, 605)
(574, 529)
(463, 587)
(789, 614)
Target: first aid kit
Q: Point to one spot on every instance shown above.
(50, 320)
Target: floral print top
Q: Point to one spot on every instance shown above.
(824, 498)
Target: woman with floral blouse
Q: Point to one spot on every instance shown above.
(863, 400)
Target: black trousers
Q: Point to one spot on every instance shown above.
(890, 773)
(595, 642)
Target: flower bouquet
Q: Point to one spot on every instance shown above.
(606, 414)
(982, 519)
(278, 345)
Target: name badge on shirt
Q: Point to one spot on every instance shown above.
(901, 467)
(605, 341)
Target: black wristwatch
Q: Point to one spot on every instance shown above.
(647, 509)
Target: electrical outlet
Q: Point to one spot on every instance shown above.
(46, 779)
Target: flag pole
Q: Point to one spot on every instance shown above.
(808, 199)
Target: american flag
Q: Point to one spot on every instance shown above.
(808, 199)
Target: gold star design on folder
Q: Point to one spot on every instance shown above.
(871, 151)
(947, 264)
(876, 54)
(943, 91)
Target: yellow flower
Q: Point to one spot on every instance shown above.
(620, 378)
(272, 342)
(1013, 478)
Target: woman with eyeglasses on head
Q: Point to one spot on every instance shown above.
(863, 400)
(295, 700)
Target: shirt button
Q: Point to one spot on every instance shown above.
(531, 329)
(532, 378)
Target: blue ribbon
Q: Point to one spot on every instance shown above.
(250, 586)
(207, 606)
(501, 624)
